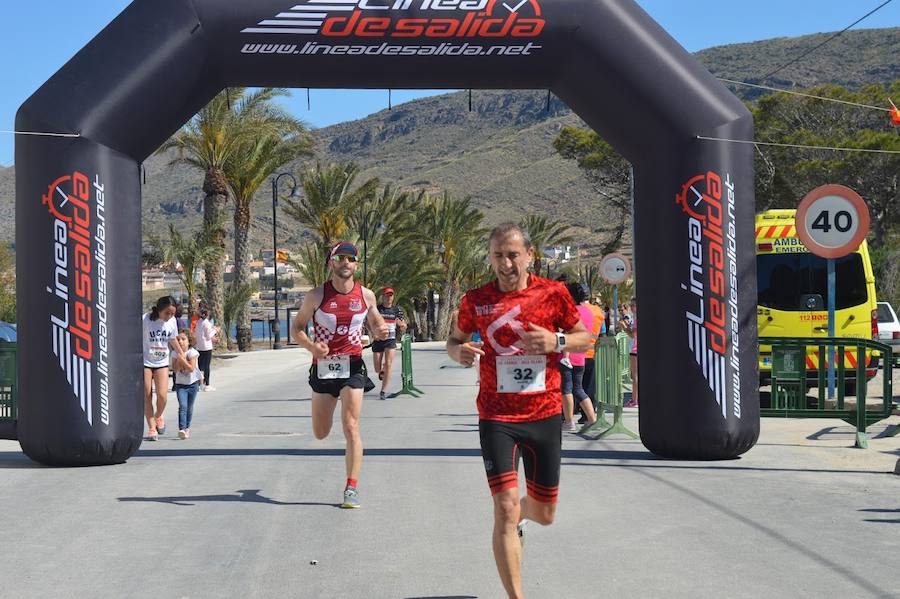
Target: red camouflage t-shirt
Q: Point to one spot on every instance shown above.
(545, 303)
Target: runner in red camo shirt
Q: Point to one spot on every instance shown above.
(519, 317)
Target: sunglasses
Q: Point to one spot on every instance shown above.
(342, 257)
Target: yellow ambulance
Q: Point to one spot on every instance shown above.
(793, 296)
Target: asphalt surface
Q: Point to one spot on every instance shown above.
(248, 508)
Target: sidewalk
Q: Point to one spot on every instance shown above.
(245, 506)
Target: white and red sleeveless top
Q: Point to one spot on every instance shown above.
(339, 320)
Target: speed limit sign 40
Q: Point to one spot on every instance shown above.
(832, 220)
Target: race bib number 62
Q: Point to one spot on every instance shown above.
(335, 367)
(521, 374)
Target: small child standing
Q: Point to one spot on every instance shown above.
(187, 382)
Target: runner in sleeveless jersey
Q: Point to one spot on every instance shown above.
(519, 318)
(338, 309)
(383, 351)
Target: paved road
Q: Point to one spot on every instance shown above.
(245, 506)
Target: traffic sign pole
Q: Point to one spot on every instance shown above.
(832, 221)
(615, 270)
(832, 291)
(615, 308)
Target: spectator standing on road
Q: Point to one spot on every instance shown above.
(181, 320)
(631, 329)
(206, 337)
(597, 328)
(159, 332)
(571, 367)
(187, 381)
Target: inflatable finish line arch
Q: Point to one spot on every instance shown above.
(78, 205)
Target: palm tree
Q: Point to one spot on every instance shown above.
(312, 263)
(246, 171)
(329, 197)
(189, 252)
(589, 274)
(237, 295)
(456, 238)
(208, 141)
(544, 233)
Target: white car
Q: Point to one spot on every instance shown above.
(888, 325)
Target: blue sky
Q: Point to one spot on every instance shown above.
(38, 36)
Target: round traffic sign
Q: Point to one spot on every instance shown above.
(832, 220)
(615, 268)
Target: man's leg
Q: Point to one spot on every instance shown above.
(376, 359)
(537, 511)
(507, 547)
(322, 414)
(351, 407)
(542, 455)
(388, 364)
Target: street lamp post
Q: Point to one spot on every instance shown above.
(295, 192)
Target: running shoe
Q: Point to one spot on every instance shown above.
(351, 498)
(187, 433)
(182, 434)
(161, 426)
(152, 435)
(209, 388)
(382, 395)
(570, 427)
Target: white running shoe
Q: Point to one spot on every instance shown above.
(209, 388)
(351, 498)
(182, 434)
(570, 427)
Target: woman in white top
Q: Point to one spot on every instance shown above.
(159, 332)
(206, 335)
(187, 381)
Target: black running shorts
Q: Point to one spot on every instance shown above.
(540, 445)
(359, 379)
(379, 346)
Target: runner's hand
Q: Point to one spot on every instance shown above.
(538, 340)
(469, 351)
(381, 333)
(319, 350)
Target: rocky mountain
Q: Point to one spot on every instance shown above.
(500, 151)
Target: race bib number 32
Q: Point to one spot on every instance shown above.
(334, 367)
(521, 374)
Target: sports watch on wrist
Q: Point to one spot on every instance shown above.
(560, 342)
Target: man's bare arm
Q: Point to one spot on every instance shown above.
(298, 326)
(377, 326)
(462, 349)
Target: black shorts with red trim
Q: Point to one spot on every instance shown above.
(540, 445)
(359, 379)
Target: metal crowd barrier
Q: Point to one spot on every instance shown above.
(608, 376)
(792, 360)
(623, 342)
(406, 368)
(8, 411)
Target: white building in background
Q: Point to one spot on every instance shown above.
(561, 254)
